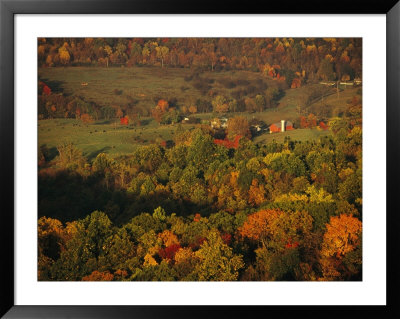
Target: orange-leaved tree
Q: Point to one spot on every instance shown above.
(99, 276)
(341, 248)
(87, 118)
(277, 229)
(160, 109)
(256, 193)
(257, 227)
(163, 105)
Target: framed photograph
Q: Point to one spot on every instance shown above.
(167, 159)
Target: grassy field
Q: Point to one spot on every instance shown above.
(299, 134)
(338, 103)
(144, 85)
(106, 137)
(116, 140)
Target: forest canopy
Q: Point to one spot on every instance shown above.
(199, 211)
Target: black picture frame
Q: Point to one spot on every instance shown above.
(8, 8)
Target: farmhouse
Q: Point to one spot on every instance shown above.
(281, 126)
(219, 123)
(328, 83)
(191, 120)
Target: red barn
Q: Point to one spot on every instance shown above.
(289, 126)
(277, 127)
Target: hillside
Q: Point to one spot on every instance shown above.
(141, 87)
(147, 84)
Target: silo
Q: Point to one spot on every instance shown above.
(282, 125)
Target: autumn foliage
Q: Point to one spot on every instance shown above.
(323, 126)
(308, 122)
(169, 252)
(227, 143)
(99, 276)
(238, 125)
(204, 202)
(87, 118)
(46, 90)
(157, 114)
(272, 53)
(160, 110)
(124, 120)
(163, 105)
(342, 236)
(341, 248)
(296, 83)
(258, 225)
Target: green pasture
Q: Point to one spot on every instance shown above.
(298, 134)
(103, 136)
(143, 85)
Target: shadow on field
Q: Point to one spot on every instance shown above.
(144, 122)
(68, 196)
(48, 153)
(54, 85)
(93, 155)
(102, 122)
(280, 95)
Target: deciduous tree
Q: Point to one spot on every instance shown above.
(341, 248)
(238, 126)
(217, 261)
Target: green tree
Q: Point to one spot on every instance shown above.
(217, 261)
(159, 213)
(271, 96)
(107, 112)
(80, 257)
(202, 150)
(119, 251)
(148, 157)
(101, 163)
(260, 102)
(161, 272)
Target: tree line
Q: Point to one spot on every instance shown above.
(295, 60)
